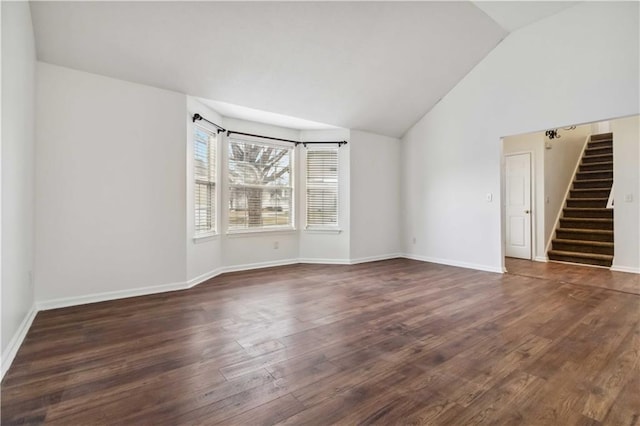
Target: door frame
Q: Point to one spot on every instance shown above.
(503, 197)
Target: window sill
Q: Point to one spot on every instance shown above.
(201, 238)
(323, 230)
(258, 232)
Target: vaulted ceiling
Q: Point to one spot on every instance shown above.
(375, 66)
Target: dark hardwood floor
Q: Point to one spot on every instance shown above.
(575, 274)
(392, 342)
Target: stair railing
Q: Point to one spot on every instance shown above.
(610, 200)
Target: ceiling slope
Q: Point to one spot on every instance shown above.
(512, 15)
(374, 66)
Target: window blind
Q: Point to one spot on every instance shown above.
(260, 185)
(322, 188)
(204, 166)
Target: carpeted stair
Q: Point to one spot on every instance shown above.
(585, 232)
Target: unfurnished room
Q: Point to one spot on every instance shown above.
(318, 213)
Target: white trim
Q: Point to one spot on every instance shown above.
(16, 341)
(110, 295)
(610, 200)
(258, 265)
(628, 269)
(375, 258)
(325, 261)
(566, 194)
(204, 277)
(256, 232)
(541, 259)
(204, 237)
(476, 266)
(322, 230)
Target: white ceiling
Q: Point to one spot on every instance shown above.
(237, 111)
(512, 15)
(375, 66)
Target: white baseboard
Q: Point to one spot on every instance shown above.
(258, 265)
(375, 258)
(143, 291)
(628, 269)
(204, 277)
(110, 295)
(476, 266)
(16, 341)
(541, 259)
(325, 261)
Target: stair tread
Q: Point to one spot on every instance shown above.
(590, 189)
(581, 255)
(587, 209)
(602, 135)
(594, 180)
(598, 155)
(588, 199)
(588, 219)
(592, 172)
(601, 162)
(587, 231)
(583, 242)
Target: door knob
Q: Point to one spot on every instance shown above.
(527, 211)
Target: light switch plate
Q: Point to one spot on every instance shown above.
(628, 198)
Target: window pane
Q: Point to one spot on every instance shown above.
(259, 207)
(204, 145)
(260, 185)
(322, 187)
(204, 206)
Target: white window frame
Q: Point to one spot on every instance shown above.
(291, 227)
(213, 182)
(333, 228)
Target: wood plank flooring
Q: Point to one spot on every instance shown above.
(391, 342)
(567, 273)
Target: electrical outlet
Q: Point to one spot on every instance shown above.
(489, 197)
(276, 245)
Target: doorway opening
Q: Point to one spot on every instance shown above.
(558, 194)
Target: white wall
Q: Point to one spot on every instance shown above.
(375, 196)
(320, 246)
(17, 153)
(560, 162)
(110, 185)
(204, 256)
(534, 143)
(626, 178)
(578, 66)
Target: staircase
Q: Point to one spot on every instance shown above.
(585, 232)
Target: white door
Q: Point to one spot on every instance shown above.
(518, 208)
